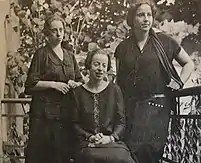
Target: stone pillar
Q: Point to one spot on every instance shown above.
(4, 10)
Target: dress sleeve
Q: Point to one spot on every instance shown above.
(78, 76)
(76, 112)
(34, 72)
(120, 115)
(172, 47)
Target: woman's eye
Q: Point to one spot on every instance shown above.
(96, 64)
(140, 14)
(61, 29)
(53, 30)
(104, 65)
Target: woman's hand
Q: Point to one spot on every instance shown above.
(104, 140)
(60, 86)
(92, 139)
(95, 138)
(74, 84)
(100, 139)
(173, 85)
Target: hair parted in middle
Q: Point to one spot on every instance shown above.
(134, 6)
(91, 54)
(49, 20)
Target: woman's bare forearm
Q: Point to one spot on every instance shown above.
(186, 71)
(42, 85)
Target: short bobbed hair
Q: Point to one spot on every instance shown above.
(48, 22)
(90, 56)
(135, 5)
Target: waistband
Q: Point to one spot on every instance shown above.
(160, 95)
(155, 95)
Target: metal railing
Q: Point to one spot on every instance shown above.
(183, 141)
(10, 148)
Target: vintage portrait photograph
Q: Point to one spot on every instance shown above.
(100, 81)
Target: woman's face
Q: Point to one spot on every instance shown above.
(143, 18)
(56, 32)
(99, 65)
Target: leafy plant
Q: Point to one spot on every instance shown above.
(89, 24)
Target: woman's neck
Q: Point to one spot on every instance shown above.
(58, 51)
(141, 36)
(96, 86)
(58, 46)
(95, 83)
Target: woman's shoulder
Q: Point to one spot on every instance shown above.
(165, 37)
(67, 52)
(40, 54)
(122, 47)
(125, 42)
(114, 86)
(42, 51)
(78, 89)
(43, 48)
(171, 45)
(68, 56)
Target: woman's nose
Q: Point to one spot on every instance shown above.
(146, 18)
(58, 33)
(100, 68)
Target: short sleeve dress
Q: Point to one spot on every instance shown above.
(101, 112)
(50, 110)
(141, 78)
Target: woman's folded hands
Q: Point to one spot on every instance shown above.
(99, 138)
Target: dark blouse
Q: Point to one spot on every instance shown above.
(140, 71)
(46, 66)
(111, 112)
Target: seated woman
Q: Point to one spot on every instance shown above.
(99, 119)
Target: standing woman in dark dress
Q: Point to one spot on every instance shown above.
(99, 117)
(52, 76)
(146, 84)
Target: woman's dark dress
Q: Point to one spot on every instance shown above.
(101, 112)
(50, 124)
(141, 77)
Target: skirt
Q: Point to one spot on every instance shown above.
(108, 153)
(147, 128)
(49, 141)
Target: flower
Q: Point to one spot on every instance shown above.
(92, 46)
(46, 6)
(41, 2)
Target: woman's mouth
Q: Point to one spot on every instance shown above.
(60, 39)
(98, 74)
(145, 25)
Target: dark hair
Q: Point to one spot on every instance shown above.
(49, 20)
(134, 6)
(90, 56)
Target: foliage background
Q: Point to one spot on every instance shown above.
(92, 23)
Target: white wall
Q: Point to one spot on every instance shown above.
(4, 10)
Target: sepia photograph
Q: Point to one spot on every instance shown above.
(100, 81)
